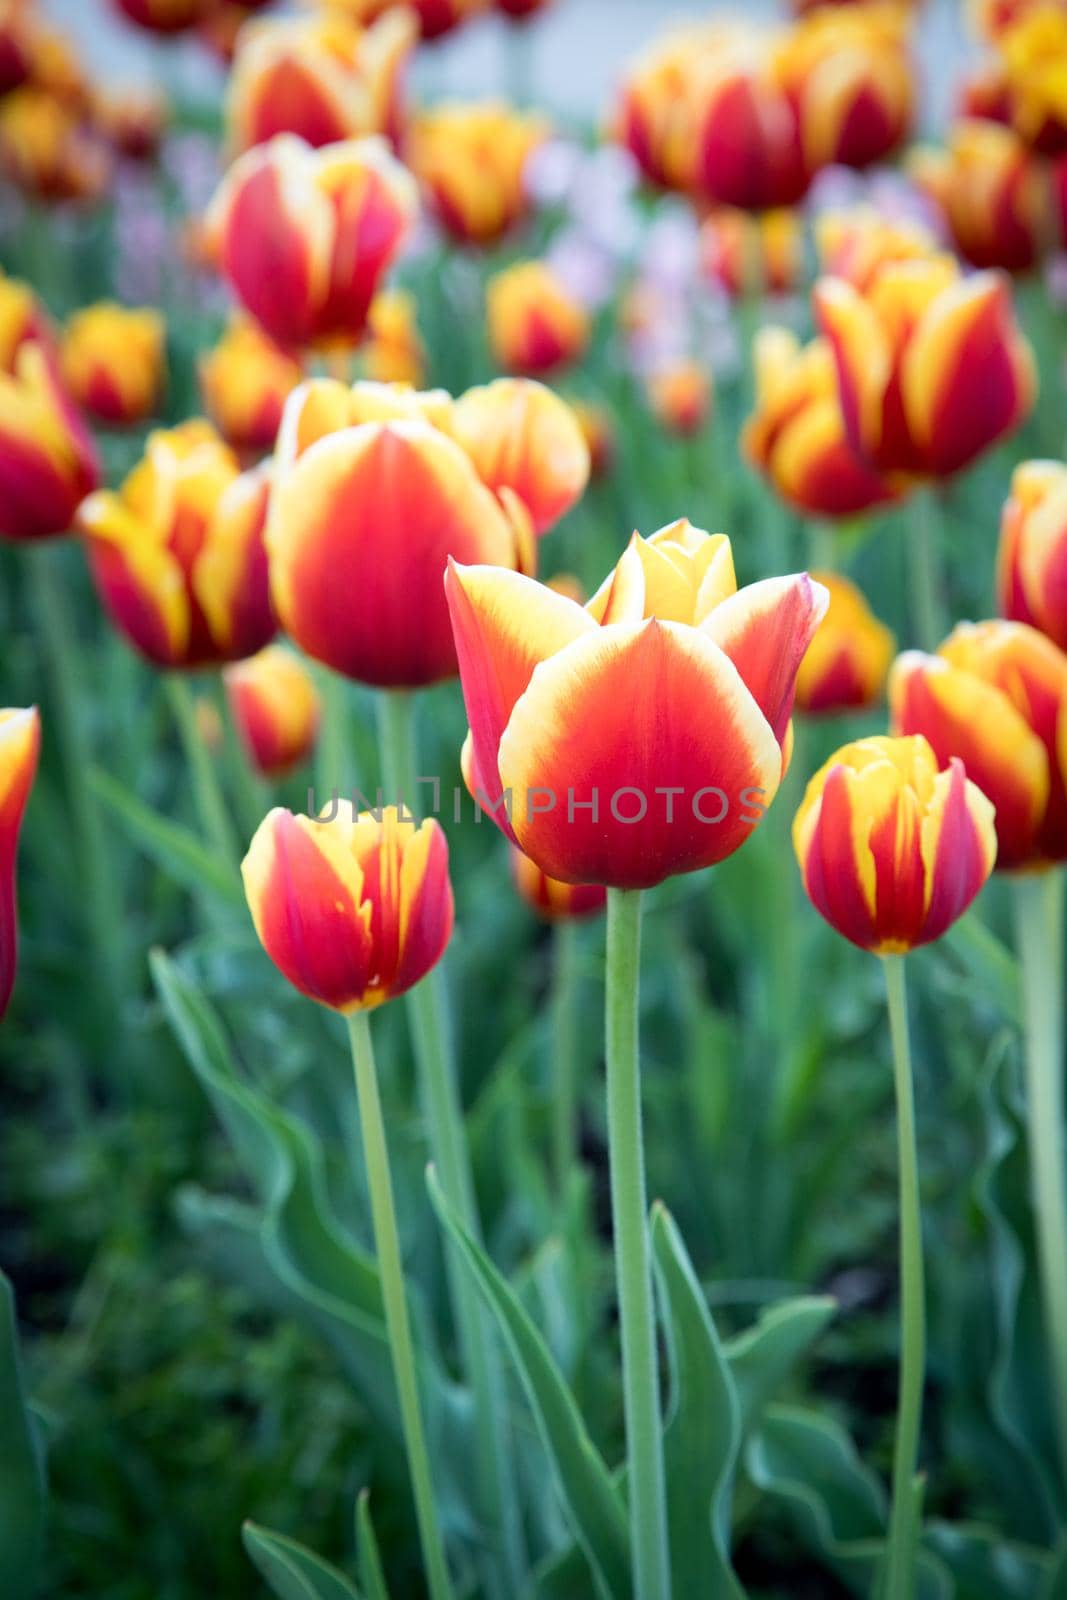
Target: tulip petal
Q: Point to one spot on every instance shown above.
(959, 846)
(20, 742)
(766, 629)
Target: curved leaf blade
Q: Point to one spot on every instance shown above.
(293, 1572)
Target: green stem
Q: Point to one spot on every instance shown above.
(332, 773)
(629, 1210)
(1039, 923)
(902, 1548)
(394, 1301)
(564, 1033)
(822, 545)
(926, 570)
(214, 817)
(427, 1010)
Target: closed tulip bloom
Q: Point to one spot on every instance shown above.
(744, 254)
(48, 462)
(552, 900)
(525, 440)
(323, 78)
(892, 851)
(681, 395)
(995, 695)
(352, 911)
(994, 194)
(1032, 556)
(114, 362)
(305, 236)
(536, 326)
(1034, 52)
(23, 320)
(275, 708)
(165, 16)
(849, 75)
(393, 351)
(471, 161)
(932, 368)
(796, 435)
(177, 554)
(45, 150)
(244, 384)
(653, 118)
(747, 149)
(20, 742)
(644, 734)
(17, 32)
(847, 661)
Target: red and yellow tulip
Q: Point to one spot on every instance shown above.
(892, 851)
(20, 742)
(847, 662)
(471, 161)
(435, 17)
(275, 707)
(520, 10)
(1032, 556)
(45, 150)
(244, 384)
(644, 734)
(525, 441)
(48, 462)
(550, 899)
(305, 236)
(352, 911)
(796, 435)
(747, 149)
(681, 395)
(324, 78)
(393, 351)
(165, 16)
(23, 320)
(994, 193)
(536, 326)
(1033, 50)
(753, 254)
(131, 120)
(18, 25)
(177, 554)
(859, 243)
(114, 362)
(995, 695)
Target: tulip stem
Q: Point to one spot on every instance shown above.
(902, 1548)
(427, 1011)
(925, 569)
(563, 1083)
(394, 1302)
(1039, 936)
(214, 817)
(629, 1210)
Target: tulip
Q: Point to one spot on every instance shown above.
(177, 553)
(847, 662)
(20, 741)
(48, 462)
(1034, 52)
(435, 17)
(17, 32)
(304, 237)
(994, 195)
(742, 253)
(44, 149)
(165, 16)
(681, 396)
(995, 695)
(858, 244)
(362, 523)
(551, 899)
(525, 441)
(747, 139)
(471, 161)
(847, 72)
(536, 326)
(323, 78)
(132, 121)
(393, 352)
(1032, 556)
(275, 707)
(652, 118)
(596, 745)
(244, 384)
(114, 362)
(796, 435)
(23, 320)
(932, 369)
(520, 10)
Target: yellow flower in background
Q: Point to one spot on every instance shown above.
(45, 150)
(275, 707)
(847, 662)
(471, 161)
(536, 325)
(114, 361)
(244, 384)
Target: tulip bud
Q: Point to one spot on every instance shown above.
(304, 237)
(893, 851)
(131, 121)
(114, 362)
(745, 254)
(393, 351)
(48, 462)
(323, 78)
(524, 439)
(1034, 52)
(993, 192)
(45, 151)
(275, 707)
(244, 384)
(550, 899)
(681, 396)
(177, 554)
(796, 435)
(847, 661)
(164, 16)
(471, 161)
(1032, 557)
(653, 117)
(536, 326)
(747, 137)
(20, 742)
(995, 695)
(18, 27)
(352, 911)
(23, 320)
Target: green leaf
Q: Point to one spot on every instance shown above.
(582, 1478)
(990, 967)
(371, 1574)
(762, 1357)
(22, 1487)
(986, 1566)
(293, 1572)
(170, 845)
(703, 1433)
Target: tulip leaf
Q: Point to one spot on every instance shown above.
(763, 1356)
(293, 1572)
(170, 845)
(22, 1486)
(704, 1429)
(589, 1497)
(371, 1574)
(986, 1566)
